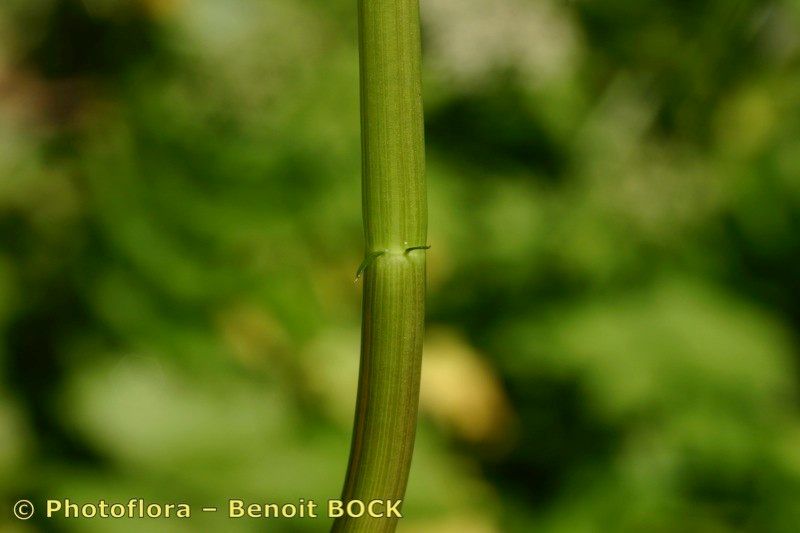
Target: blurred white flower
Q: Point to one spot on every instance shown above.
(469, 39)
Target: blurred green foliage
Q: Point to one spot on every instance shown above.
(614, 279)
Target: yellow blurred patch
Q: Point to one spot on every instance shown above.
(161, 8)
(746, 122)
(460, 390)
(252, 335)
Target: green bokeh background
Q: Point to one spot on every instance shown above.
(614, 279)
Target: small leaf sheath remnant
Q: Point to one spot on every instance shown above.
(368, 259)
(395, 227)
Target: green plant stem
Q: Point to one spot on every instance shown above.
(395, 226)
